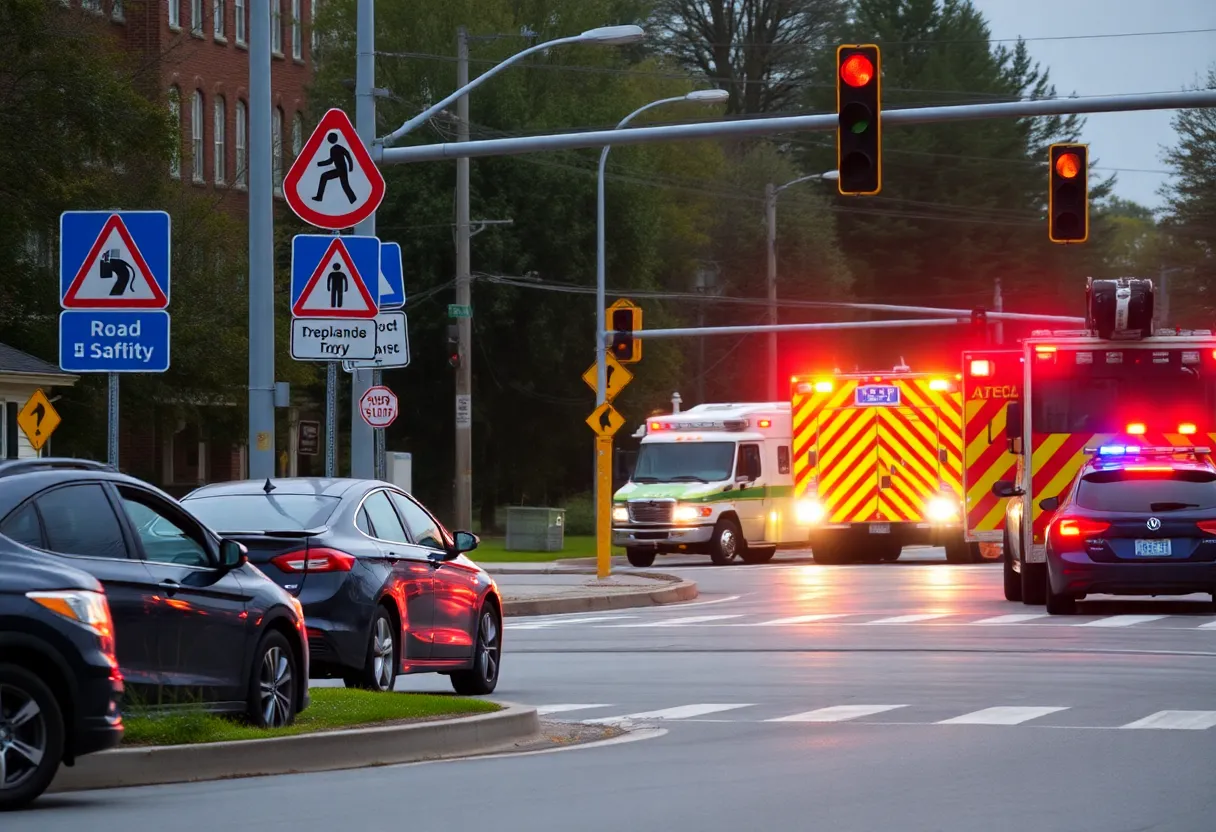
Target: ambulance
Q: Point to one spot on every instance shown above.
(1117, 382)
(878, 464)
(715, 479)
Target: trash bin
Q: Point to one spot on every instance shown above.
(535, 529)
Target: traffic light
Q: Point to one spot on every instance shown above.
(1068, 198)
(453, 345)
(859, 131)
(979, 323)
(625, 347)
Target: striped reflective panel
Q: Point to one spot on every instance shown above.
(806, 409)
(848, 463)
(987, 462)
(919, 449)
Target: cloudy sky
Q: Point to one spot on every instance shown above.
(1130, 143)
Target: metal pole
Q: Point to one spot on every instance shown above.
(261, 248)
(381, 464)
(464, 324)
(112, 438)
(331, 419)
(998, 304)
(770, 219)
(697, 332)
(362, 441)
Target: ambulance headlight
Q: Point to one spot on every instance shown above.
(942, 509)
(808, 512)
(620, 514)
(689, 514)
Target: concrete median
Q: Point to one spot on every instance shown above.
(557, 591)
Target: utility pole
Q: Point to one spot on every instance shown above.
(362, 437)
(261, 249)
(770, 218)
(998, 305)
(464, 324)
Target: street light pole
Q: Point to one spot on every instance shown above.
(464, 324)
(363, 460)
(261, 249)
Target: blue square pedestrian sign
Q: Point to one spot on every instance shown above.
(392, 278)
(334, 277)
(111, 260)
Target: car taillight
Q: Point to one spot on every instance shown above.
(1079, 528)
(1207, 526)
(315, 560)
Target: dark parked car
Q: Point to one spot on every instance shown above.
(60, 685)
(194, 621)
(385, 587)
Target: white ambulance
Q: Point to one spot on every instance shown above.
(716, 479)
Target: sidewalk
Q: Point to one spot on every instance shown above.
(545, 589)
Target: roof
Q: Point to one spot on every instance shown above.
(317, 486)
(13, 360)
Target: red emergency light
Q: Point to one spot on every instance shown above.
(765, 423)
(1187, 429)
(1137, 429)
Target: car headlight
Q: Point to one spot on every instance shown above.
(942, 509)
(687, 514)
(620, 514)
(809, 511)
(86, 608)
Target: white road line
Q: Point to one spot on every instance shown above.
(680, 712)
(542, 710)
(1121, 620)
(799, 619)
(682, 605)
(838, 713)
(1178, 720)
(1016, 618)
(1000, 716)
(1211, 625)
(557, 622)
(675, 622)
(909, 619)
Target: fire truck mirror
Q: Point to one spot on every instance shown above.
(1013, 421)
(1049, 503)
(1006, 488)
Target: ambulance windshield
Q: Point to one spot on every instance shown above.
(684, 462)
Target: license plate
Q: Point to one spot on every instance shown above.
(1153, 549)
(880, 528)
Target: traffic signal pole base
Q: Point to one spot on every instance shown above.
(603, 506)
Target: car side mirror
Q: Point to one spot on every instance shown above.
(466, 542)
(233, 554)
(1049, 503)
(1006, 488)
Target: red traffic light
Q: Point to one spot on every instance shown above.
(857, 70)
(1068, 165)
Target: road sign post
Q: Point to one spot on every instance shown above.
(114, 269)
(605, 421)
(38, 420)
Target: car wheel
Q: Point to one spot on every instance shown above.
(728, 542)
(382, 661)
(640, 557)
(1013, 581)
(272, 686)
(31, 737)
(482, 677)
(1057, 604)
(756, 554)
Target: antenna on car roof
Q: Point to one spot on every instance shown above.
(268, 487)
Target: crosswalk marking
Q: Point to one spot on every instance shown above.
(543, 710)
(800, 619)
(676, 622)
(908, 619)
(837, 713)
(1121, 620)
(1007, 715)
(1211, 625)
(1178, 720)
(679, 712)
(1016, 618)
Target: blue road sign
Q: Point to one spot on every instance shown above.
(114, 260)
(392, 277)
(114, 342)
(308, 250)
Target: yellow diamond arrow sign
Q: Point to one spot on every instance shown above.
(38, 419)
(618, 377)
(605, 420)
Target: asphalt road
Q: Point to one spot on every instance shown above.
(900, 697)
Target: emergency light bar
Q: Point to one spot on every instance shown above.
(727, 424)
(1156, 450)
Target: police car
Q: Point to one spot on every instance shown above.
(1135, 521)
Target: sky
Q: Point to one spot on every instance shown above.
(1129, 142)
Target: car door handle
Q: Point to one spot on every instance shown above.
(170, 586)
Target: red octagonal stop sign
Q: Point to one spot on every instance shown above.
(378, 406)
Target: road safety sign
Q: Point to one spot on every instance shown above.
(618, 377)
(114, 260)
(38, 419)
(605, 420)
(333, 183)
(378, 406)
(392, 279)
(328, 276)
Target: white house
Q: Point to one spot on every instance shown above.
(21, 375)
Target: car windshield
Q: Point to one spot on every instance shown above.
(261, 512)
(684, 462)
(1137, 492)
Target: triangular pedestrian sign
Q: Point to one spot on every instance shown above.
(333, 183)
(336, 289)
(114, 274)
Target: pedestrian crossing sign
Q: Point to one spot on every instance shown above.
(329, 276)
(333, 183)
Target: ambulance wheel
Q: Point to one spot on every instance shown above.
(728, 542)
(755, 554)
(640, 557)
(1034, 583)
(960, 551)
(890, 553)
(1013, 581)
(830, 551)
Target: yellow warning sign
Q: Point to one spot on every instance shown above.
(38, 419)
(618, 377)
(605, 420)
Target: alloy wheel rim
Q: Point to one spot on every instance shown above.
(277, 687)
(23, 736)
(728, 543)
(382, 653)
(488, 650)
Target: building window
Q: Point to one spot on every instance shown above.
(242, 144)
(196, 17)
(297, 135)
(116, 11)
(276, 26)
(239, 6)
(297, 31)
(91, 5)
(175, 13)
(175, 114)
(312, 23)
(221, 149)
(196, 131)
(276, 149)
(218, 9)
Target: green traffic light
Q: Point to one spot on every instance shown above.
(860, 127)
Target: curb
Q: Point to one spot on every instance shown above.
(678, 590)
(325, 751)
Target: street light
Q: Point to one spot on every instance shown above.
(770, 215)
(603, 35)
(602, 506)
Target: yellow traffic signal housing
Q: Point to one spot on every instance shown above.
(1068, 194)
(859, 114)
(625, 320)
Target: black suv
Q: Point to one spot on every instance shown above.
(60, 684)
(194, 621)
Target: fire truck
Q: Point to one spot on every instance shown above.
(878, 464)
(992, 378)
(1117, 381)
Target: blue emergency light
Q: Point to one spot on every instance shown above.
(1118, 450)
